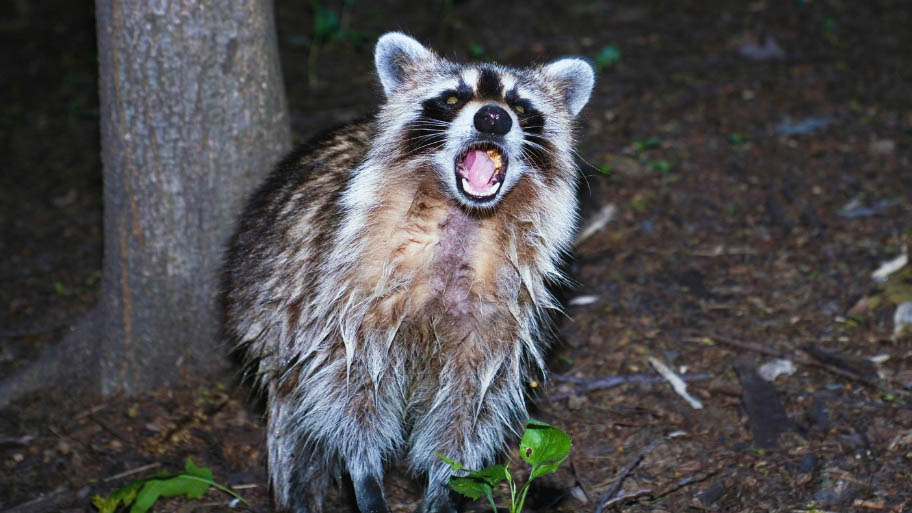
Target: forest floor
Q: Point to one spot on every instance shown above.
(750, 166)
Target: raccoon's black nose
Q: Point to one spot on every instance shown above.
(492, 119)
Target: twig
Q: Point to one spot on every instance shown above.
(16, 441)
(85, 444)
(622, 475)
(24, 333)
(110, 430)
(676, 382)
(721, 250)
(91, 411)
(858, 503)
(842, 372)
(591, 384)
(598, 223)
(804, 360)
(132, 471)
(35, 331)
(750, 346)
(687, 481)
(578, 481)
(835, 361)
(627, 497)
(613, 381)
(50, 501)
(645, 493)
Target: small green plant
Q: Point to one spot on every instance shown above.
(641, 145)
(476, 50)
(638, 203)
(662, 166)
(141, 494)
(737, 140)
(608, 56)
(542, 446)
(329, 26)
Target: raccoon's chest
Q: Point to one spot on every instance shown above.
(460, 262)
(434, 259)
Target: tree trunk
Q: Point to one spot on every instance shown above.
(193, 115)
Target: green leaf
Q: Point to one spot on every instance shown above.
(455, 466)
(737, 139)
(542, 444)
(326, 22)
(476, 482)
(104, 504)
(193, 482)
(492, 475)
(471, 488)
(541, 470)
(191, 469)
(476, 50)
(480, 482)
(645, 144)
(662, 166)
(125, 494)
(609, 55)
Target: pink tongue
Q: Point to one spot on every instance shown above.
(479, 169)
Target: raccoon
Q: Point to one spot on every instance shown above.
(387, 286)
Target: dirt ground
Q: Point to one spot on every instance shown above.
(750, 162)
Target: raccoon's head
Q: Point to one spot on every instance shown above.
(482, 127)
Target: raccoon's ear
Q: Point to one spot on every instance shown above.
(394, 54)
(576, 78)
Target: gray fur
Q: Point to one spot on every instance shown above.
(394, 54)
(383, 313)
(577, 78)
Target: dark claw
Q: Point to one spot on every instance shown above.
(369, 495)
(447, 502)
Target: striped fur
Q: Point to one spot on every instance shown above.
(383, 312)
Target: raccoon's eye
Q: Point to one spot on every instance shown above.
(520, 109)
(452, 100)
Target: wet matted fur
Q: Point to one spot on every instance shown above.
(385, 309)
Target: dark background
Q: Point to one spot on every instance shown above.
(756, 154)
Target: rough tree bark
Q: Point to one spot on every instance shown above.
(193, 114)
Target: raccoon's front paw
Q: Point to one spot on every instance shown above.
(445, 501)
(369, 495)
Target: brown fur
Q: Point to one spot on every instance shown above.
(384, 310)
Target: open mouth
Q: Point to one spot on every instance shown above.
(480, 171)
